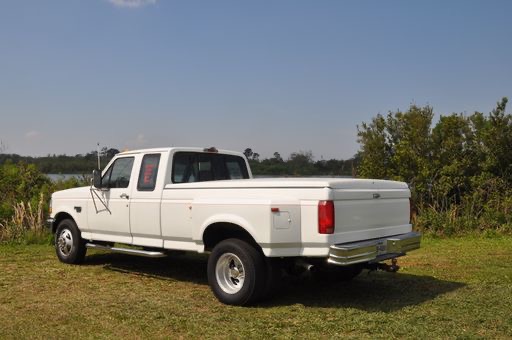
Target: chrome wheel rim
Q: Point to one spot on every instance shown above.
(230, 273)
(65, 242)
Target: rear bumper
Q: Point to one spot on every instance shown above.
(375, 250)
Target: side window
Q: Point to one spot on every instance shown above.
(118, 175)
(148, 172)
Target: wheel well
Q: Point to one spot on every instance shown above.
(60, 216)
(218, 232)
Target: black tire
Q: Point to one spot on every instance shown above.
(228, 261)
(69, 245)
(333, 273)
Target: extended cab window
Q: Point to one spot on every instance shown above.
(148, 172)
(199, 167)
(118, 175)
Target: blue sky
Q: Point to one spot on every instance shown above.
(271, 75)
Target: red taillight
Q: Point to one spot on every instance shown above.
(326, 217)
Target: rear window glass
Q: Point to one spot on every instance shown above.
(148, 172)
(200, 167)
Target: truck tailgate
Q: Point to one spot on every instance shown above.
(370, 212)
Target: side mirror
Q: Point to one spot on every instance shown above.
(96, 179)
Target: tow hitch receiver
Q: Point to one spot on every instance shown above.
(392, 268)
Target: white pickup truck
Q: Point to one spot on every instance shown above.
(205, 200)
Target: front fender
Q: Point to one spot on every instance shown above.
(65, 210)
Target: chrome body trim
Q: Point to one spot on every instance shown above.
(376, 250)
(129, 251)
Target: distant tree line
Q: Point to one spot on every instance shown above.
(300, 163)
(64, 164)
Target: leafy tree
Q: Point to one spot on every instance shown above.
(277, 157)
(108, 153)
(301, 163)
(21, 183)
(459, 171)
(453, 158)
(398, 147)
(248, 153)
(497, 142)
(373, 138)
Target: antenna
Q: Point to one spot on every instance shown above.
(99, 164)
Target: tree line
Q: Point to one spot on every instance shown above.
(459, 168)
(63, 164)
(300, 163)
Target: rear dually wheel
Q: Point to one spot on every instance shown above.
(236, 272)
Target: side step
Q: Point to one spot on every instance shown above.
(139, 252)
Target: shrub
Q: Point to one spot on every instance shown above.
(459, 170)
(26, 225)
(24, 202)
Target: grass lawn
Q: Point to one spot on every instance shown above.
(450, 288)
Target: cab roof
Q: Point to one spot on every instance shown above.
(179, 148)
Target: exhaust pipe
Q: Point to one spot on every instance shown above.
(304, 266)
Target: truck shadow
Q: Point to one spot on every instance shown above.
(371, 292)
(176, 267)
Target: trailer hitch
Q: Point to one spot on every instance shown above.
(390, 268)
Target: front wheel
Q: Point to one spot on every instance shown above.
(69, 246)
(236, 272)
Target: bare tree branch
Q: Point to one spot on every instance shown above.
(3, 146)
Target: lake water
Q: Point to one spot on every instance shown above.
(63, 177)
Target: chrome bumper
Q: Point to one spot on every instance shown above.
(376, 250)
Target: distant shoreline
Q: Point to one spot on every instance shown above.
(65, 177)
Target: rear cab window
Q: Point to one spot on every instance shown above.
(189, 167)
(148, 172)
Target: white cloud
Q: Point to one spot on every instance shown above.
(132, 3)
(140, 140)
(32, 134)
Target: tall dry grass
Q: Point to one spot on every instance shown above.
(26, 224)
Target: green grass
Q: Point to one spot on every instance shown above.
(450, 288)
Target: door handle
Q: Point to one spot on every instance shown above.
(124, 196)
